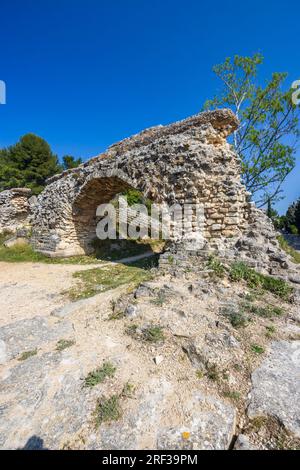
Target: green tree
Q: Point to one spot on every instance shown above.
(28, 164)
(71, 162)
(269, 124)
(293, 216)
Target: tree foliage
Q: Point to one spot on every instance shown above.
(71, 162)
(28, 164)
(269, 131)
(293, 216)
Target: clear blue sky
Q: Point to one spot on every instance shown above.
(84, 74)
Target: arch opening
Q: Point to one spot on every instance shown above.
(102, 191)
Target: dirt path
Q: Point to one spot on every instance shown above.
(30, 289)
(43, 400)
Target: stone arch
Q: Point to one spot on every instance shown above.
(97, 190)
(188, 162)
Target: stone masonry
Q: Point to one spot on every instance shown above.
(186, 162)
(14, 209)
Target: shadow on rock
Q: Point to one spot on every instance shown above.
(34, 443)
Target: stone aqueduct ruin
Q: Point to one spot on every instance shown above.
(189, 161)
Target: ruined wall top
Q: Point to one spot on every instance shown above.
(223, 121)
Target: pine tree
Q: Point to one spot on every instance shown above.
(71, 162)
(28, 164)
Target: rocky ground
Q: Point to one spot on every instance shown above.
(182, 362)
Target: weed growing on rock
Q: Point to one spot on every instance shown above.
(212, 372)
(128, 390)
(131, 330)
(26, 354)
(160, 299)
(64, 344)
(153, 334)
(236, 316)
(232, 395)
(257, 349)
(108, 409)
(117, 312)
(199, 374)
(99, 375)
(270, 331)
(268, 311)
(216, 267)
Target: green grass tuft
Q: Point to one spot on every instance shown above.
(257, 349)
(108, 409)
(216, 267)
(99, 375)
(212, 372)
(96, 280)
(240, 271)
(237, 318)
(153, 334)
(268, 311)
(64, 344)
(232, 395)
(26, 354)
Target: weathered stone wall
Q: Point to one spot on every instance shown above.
(186, 162)
(14, 209)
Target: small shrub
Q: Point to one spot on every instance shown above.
(216, 267)
(153, 334)
(236, 316)
(99, 375)
(26, 354)
(232, 395)
(160, 299)
(128, 390)
(257, 349)
(212, 372)
(277, 286)
(268, 311)
(64, 344)
(131, 330)
(238, 319)
(270, 331)
(238, 271)
(108, 409)
(250, 297)
(117, 311)
(117, 315)
(170, 259)
(293, 229)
